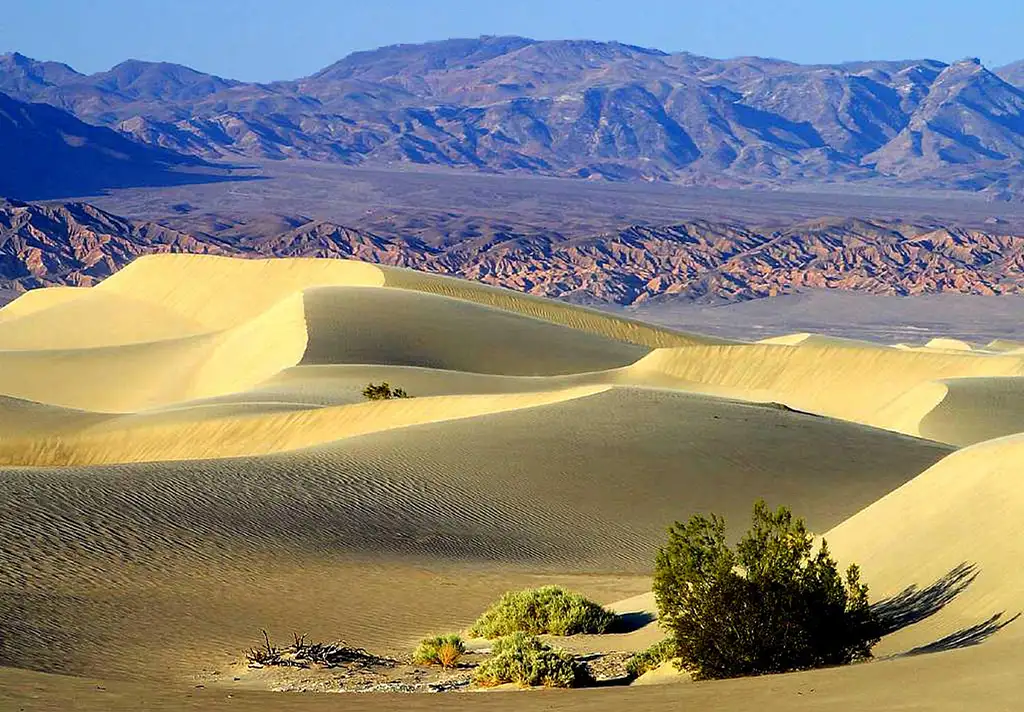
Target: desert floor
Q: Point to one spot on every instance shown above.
(187, 459)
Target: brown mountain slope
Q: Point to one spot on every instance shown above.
(78, 244)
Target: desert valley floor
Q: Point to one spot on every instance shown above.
(187, 459)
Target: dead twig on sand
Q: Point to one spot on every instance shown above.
(303, 654)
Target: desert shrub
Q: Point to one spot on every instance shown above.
(548, 609)
(645, 660)
(526, 660)
(772, 605)
(443, 650)
(383, 391)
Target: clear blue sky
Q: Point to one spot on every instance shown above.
(262, 40)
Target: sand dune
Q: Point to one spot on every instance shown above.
(960, 411)
(187, 458)
(591, 486)
(406, 328)
(947, 344)
(93, 318)
(966, 509)
(854, 384)
(141, 375)
(807, 339)
(222, 431)
(601, 323)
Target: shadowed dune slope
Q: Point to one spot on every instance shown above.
(28, 419)
(966, 509)
(584, 485)
(598, 322)
(405, 328)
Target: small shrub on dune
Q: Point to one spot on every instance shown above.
(527, 661)
(549, 609)
(645, 660)
(383, 391)
(771, 605)
(443, 650)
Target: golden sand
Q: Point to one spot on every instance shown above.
(187, 458)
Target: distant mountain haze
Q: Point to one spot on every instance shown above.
(575, 108)
(46, 152)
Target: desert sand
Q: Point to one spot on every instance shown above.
(187, 459)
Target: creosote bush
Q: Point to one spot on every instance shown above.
(383, 391)
(549, 609)
(443, 650)
(527, 661)
(770, 606)
(648, 659)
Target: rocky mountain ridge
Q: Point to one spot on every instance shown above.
(46, 152)
(79, 244)
(577, 108)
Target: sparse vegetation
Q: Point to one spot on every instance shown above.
(443, 650)
(549, 609)
(383, 391)
(528, 661)
(772, 605)
(303, 654)
(645, 660)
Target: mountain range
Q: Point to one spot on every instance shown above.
(600, 110)
(78, 244)
(46, 152)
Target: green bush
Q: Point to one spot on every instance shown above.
(383, 391)
(527, 661)
(443, 650)
(645, 660)
(770, 606)
(549, 609)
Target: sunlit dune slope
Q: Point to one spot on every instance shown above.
(94, 318)
(966, 509)
(948, 344)
(961, 411)
(807, 339)
(221, 431)
(142, 375)
(174, 328)
(338, 384)
(39, 299)
(210, 293)
(857, 384)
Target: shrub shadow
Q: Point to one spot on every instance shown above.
(914, 604)
(629, 622)
(966, 637)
